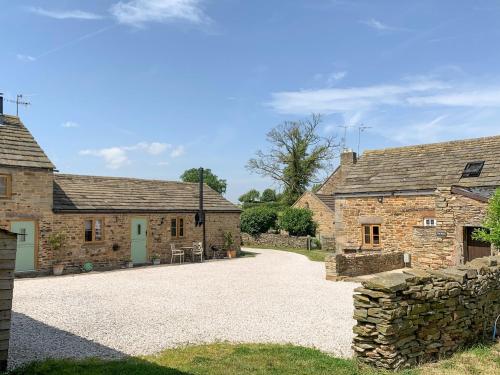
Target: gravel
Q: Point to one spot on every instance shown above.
(275, 297)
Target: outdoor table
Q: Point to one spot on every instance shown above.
(188, 249)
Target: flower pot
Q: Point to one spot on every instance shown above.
(129, 264)
(156, 262)
(58, 269)
(232, 253)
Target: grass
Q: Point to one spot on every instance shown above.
(246, 359)
(314, 255)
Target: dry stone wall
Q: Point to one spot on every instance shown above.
(418, 316)
(339, 266)
(274, 240)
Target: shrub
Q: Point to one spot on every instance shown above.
(491, 231)
(258, 220)
(298, 222)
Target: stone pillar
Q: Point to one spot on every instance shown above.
(8, 245)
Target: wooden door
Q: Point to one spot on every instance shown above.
(475, 248)
(139, 240)
(26, 239)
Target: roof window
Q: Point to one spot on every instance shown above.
(473, 169)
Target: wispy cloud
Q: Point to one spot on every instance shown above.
(178, 151)
(351, 99)
(70, 124)
(139, 12)
(65, 14)
(25, 58)
(377, 25)
(486, 97)
(119, 156)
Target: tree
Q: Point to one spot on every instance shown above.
(296, 154)
(315, 188)
(250, 196)
(257, 220)
(268, 195)
(298, 222)
(216, 183)
(491, 231)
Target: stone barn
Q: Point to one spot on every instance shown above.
(425, 200)
(106, 221)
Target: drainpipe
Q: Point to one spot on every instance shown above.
(201, 214)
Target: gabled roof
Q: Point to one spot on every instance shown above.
(327, 200)
(75, 193)
(424, 167)
(18, 148)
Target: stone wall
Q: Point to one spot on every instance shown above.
(322, 215)
(274, 240)
(8, 243)
(117, 231)
(401, 225)
(339, 266)
(406, 319)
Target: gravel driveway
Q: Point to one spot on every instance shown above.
(275, 297)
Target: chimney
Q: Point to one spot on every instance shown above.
(1, 108)
(348, 158)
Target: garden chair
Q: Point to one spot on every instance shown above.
(176, 253)
(217, 252)
(197, 251)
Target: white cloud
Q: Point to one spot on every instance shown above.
(377, 25)
(487, 97)
(350, 99)
(162, 163)
(65, 14)
(118, 156)
(178, 151)
(114, 157)
(139, 12)
(70, 124)
(25, 58)
(336, 76)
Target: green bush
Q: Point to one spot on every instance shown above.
(298, 222)
(491, 231)
(258, 220)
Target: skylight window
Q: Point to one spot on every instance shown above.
(473, 169)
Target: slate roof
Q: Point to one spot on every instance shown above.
(75, 193)
(480, 193)
(328, 200)
(18, 148)
(424, 167)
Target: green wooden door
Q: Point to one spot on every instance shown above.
(25, 255)
(139, 240)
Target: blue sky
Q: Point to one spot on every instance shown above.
(149, 88)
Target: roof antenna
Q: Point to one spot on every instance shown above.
(18, 102)
(361, 128)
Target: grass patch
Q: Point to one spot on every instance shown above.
(260, 359)
(314, 255)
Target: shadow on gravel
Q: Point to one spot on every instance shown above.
(32, 340)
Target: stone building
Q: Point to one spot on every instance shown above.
(323, 208)
(105, 220)
(424, 200)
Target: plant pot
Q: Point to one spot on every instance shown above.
(231, 254)
(58, 269)
(156, 262)
(129, 264)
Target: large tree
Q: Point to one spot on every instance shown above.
(296, 155)
(216, 183)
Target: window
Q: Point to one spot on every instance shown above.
(473, 169)
(430, 222)
(94, 230)
(21, 236)
(177, 228)
(5, 186)
(371, 235)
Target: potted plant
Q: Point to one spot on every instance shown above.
(129, 263)
(156, 259)
(56, 242)
(229, 245)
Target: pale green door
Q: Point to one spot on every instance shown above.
(139, 240)
(25, 255)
